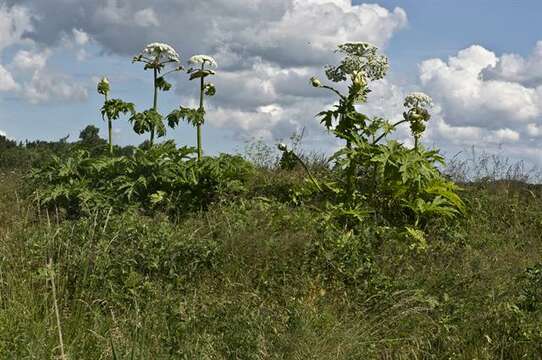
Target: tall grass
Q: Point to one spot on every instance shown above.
(258, 278)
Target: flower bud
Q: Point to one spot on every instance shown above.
(315, 82)
(103, 86)
(282, 147)
(359, 79)
(210, 90)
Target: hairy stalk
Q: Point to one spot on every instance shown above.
(349, 172)
(110, 130)
(155, 102)
(202, 88)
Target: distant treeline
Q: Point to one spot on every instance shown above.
(22, 155)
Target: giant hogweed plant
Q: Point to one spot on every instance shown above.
(112, 109)
(389, 181)
(161, 178)
(202, 66)
(156, 57)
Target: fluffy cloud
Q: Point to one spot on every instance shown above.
(51, 87)
(266, 50)
(281, 31)
(43, 84)
(146, 17)
(14, 22)
(515, 68)
(486, 100)
(7, 83)
(470, 100)
(28, 60)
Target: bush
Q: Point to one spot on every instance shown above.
(159, 178)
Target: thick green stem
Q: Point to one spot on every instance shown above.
(350, 170)
(155, 103)
(110, 130)
(202, 88)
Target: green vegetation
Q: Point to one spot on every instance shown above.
(259, 277)
(159, 252)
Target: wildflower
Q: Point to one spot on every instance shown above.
(418, 100)
(155, 56)
(158, 53)
(203, 59)
(103, 86)
(360, 57)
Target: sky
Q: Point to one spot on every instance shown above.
(480, 60)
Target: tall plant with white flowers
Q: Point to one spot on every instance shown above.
(387, 180)
(112, 108)
(201, 67)
(156, 57)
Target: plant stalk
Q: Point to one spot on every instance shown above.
(110, 130)
(155, 103)
(308, 171)
(57, 312)
(202, 87)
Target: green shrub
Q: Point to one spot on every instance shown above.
(158, 178)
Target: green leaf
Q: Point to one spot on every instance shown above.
(162, 84)
(197, 74)
(192, 116)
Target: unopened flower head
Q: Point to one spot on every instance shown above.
(316, 82)
(418, 100)
(103, 86)
(159, 53)
(210, 89)
(203, 59)
(359, 58)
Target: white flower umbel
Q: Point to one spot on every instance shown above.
(160, 53)
(360, 58)
(203, 60)
(418, 100)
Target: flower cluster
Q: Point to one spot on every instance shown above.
(103, 86)
(158, 53)
(417, 115)
(418, 100)
(210, 89)
(362, 62)
(203, 59)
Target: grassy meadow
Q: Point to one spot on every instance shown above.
(258, 277)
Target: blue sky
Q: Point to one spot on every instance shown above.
(480, 60)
